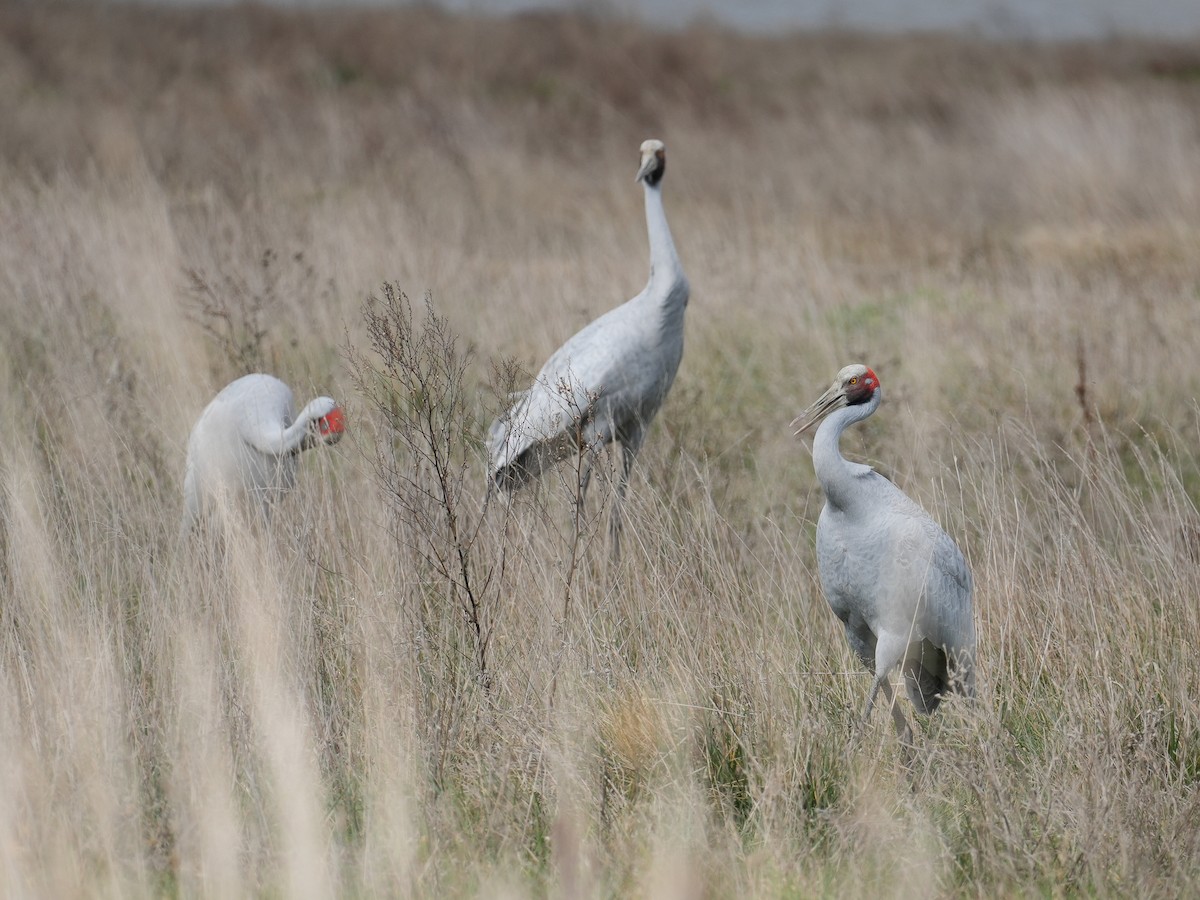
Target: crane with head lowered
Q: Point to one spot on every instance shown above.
(247, 441)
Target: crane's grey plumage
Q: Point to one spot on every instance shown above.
(247, 440)
(607, 382)
(895, 579)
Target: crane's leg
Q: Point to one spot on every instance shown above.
(590, 446)
(889, 653)
(875, 685)
(631, 443)
(903, 729)
(881, 683)
(587, 463)
(585, 470)
(860, 727)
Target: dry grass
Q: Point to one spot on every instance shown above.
(185, 194)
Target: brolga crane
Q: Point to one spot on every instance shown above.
(247, 440)
(607, 382)
(895, 579)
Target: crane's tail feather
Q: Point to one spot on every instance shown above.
(509, 478)
(936, 674)
(925, 690)
(496, 434)
(504, 472)
(509, 473)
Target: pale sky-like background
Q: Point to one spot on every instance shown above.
(1048, 19)
(1039, 19)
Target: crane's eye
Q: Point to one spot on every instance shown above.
(854, 380)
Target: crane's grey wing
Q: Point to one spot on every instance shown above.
(924, 585)
(544, 417)
(941, 656)
(497, 432)
(605, 383)
(925, 605)
(950, 598)
(923, 573)
(554, 414)
(948, 593)
(925, 581)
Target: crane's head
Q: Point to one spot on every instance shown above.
(654, 162)
(332, 425)
(326, 421)
(854, 385)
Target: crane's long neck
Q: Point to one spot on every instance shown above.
(279, 441)
(666, 272)
(838, 476)
(286, 441)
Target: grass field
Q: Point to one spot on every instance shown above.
(391, 692)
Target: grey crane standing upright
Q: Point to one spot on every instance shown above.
(607, 382)
(895, 579)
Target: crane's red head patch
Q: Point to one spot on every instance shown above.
(334, 422)
(860, 384)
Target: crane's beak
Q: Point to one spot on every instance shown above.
(649, 164)
(834, 398)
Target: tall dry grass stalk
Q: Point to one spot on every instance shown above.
(401, 689)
